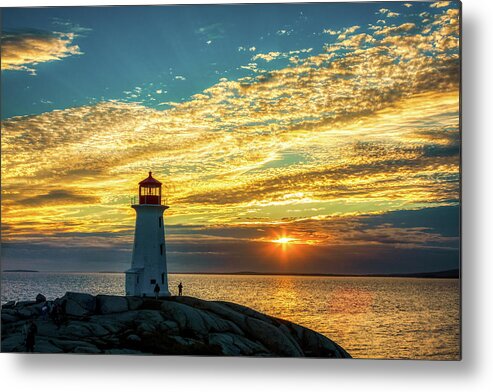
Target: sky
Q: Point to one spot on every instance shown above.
(307, 138)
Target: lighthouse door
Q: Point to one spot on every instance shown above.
(132, 283)
(137, 290)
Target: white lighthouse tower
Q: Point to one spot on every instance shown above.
(149, 253)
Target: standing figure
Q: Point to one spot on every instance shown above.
(32, 329)
(157, 289)
(56, 314)
(180, 289)
(44, 311)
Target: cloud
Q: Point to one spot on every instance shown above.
(267, 56)
(211, 32)
(405, 27)
(280, 55)
(354, 41)
(346, 31)
(440, 4)
(57, 197)
(71, 27)
(330, 32)
(24, 50)
(284, 32)
(388, 13)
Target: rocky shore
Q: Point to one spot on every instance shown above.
(105, 324)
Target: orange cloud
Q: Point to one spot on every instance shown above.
(22, 51)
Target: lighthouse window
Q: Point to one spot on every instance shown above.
(162, 278)
(161, 249)
(153, 281)
(160, 221)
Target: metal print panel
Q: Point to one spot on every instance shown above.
(277, 180)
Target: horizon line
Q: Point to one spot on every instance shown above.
(450, 273)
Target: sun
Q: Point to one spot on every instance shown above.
(284, 243)
(283, 240)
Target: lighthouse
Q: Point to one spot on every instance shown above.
(149, 252)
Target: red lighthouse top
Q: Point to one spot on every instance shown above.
(150, 191)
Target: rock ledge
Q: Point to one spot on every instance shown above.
(109, 324)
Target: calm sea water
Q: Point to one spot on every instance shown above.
(369, 317)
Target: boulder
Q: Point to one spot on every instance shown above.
(247, 311)
(44, 345)
(134, 338)
(235, 345)
(218, 308)
(26, 313)
(186, 317)
(121, 318)
(81, 330)
(150, 316)
(144, 327)
(66, 345)
(14, 342)
(111, 304)
(80, 303)
(316, 344)
(25, 303)
(272, 338)
(47, 328)
(8, 305)
(201, 322)
(75, 330)
(8, 318)
(186, 342)
(134, 303)
(40, 298)
(171, 327)
(112, 326)
(73, 308)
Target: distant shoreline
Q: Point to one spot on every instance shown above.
(448, 274)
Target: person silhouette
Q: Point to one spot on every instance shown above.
(32, 329)
(157, 289)
(180, 289)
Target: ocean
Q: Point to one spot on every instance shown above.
(371, 317)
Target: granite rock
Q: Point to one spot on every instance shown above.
(169, 326)
(111, 304)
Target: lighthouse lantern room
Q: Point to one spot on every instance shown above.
(148, 271)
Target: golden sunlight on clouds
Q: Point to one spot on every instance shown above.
(440, 4)
(21, 51)
(369, 125)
